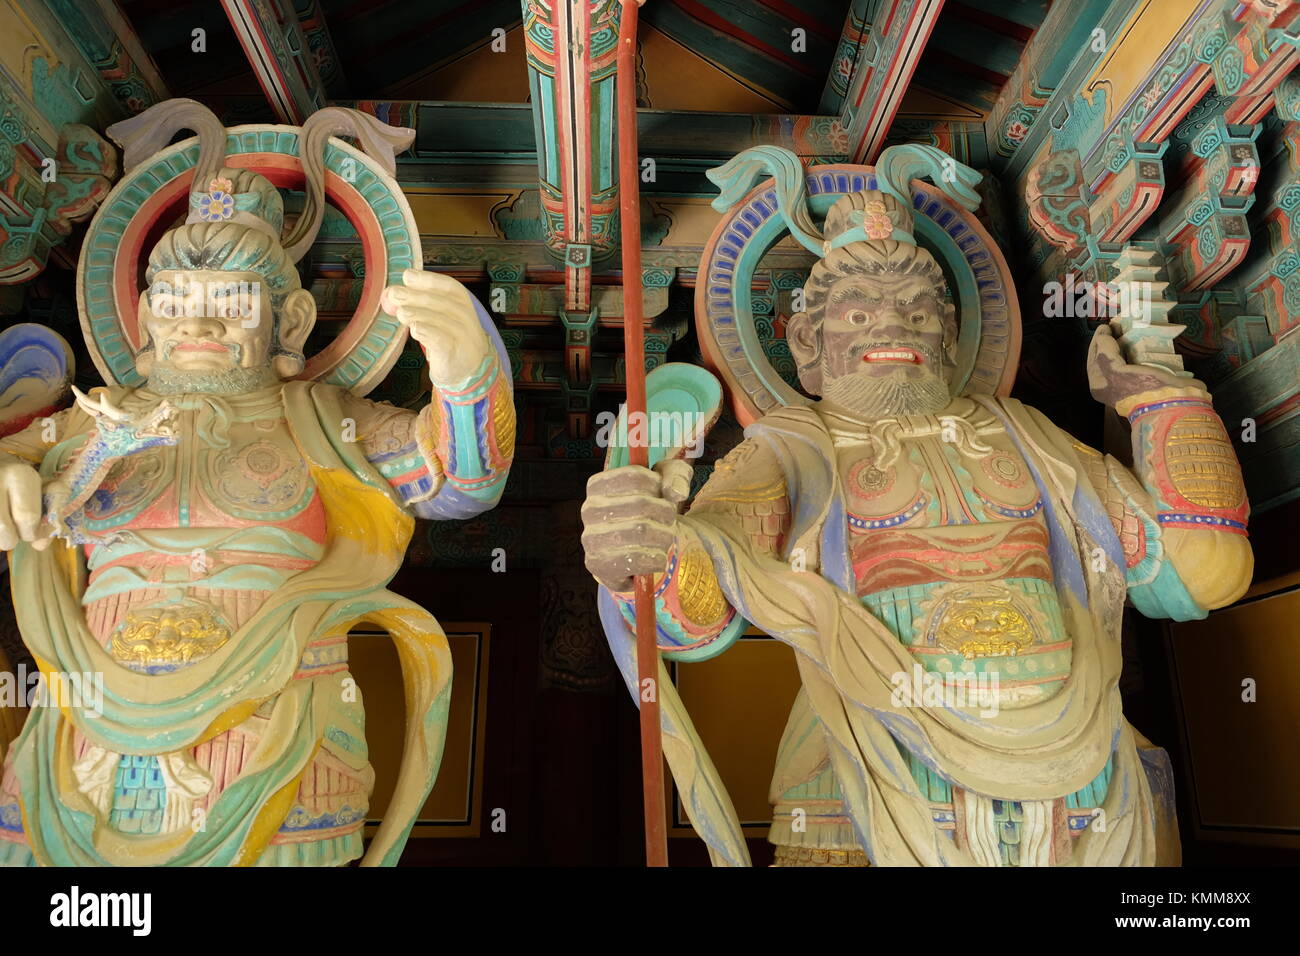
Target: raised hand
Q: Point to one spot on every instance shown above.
(441, 316)
(1111, 378)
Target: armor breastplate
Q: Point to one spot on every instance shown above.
(259, 479)
(950, 550)
(197, 533)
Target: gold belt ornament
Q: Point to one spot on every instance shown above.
(168, 635)
(979, 622)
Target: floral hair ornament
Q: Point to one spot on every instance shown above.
(220, 202)
(870, 222)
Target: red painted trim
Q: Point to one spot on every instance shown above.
(715, 22)
(257, 50)
(900, 71)
(1189, 91)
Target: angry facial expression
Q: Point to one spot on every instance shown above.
(883, 335)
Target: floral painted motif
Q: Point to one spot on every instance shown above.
(876, 221)
(216, 205)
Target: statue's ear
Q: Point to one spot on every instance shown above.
(297, 316)
(144, 358)
(950, 335)
(804, 340)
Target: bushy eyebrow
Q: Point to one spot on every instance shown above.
(853, 292)
(850, 292)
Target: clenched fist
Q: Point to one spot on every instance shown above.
(20, 505)
(628, 520)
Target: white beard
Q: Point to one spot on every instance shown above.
(874, 398)
(229, 381)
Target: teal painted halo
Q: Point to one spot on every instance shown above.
(988, 313)
(154, 194)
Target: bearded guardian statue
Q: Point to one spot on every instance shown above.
(191, 546)
(949, 567)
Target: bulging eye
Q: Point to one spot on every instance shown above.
(855, 317)
(917, 318)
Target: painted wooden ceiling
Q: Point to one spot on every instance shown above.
(975, 47)
(743, 56)
(490, 87)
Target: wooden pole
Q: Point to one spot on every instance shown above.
(647, 650)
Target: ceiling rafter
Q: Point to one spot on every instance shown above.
(848, 51)
(571, 48)
(273, 40)
(320, 46)
(897, 38)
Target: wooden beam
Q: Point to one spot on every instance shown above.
(848, 52)
(500, 132)
(320, 47)
(273, 40)
(876, 90)
(571, 75)
(110, 43)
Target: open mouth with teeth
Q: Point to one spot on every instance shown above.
(904, 356)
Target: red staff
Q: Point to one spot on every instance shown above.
(647, 651)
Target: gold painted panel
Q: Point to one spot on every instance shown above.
(740, 701)
(445, 213)
(678, 78)
(1140, 43)
(454, 807)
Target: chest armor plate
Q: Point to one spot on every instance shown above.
(934, 512)
(950, 550)
(253, 474)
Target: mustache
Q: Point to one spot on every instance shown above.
(921, 348)
(234, 348)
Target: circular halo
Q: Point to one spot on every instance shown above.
(988, 313)
(154, 195)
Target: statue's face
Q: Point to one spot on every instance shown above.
(882, 344)
(208, 321)
(218, 328)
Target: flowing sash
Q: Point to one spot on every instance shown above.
(847, 659)
(143, 714)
